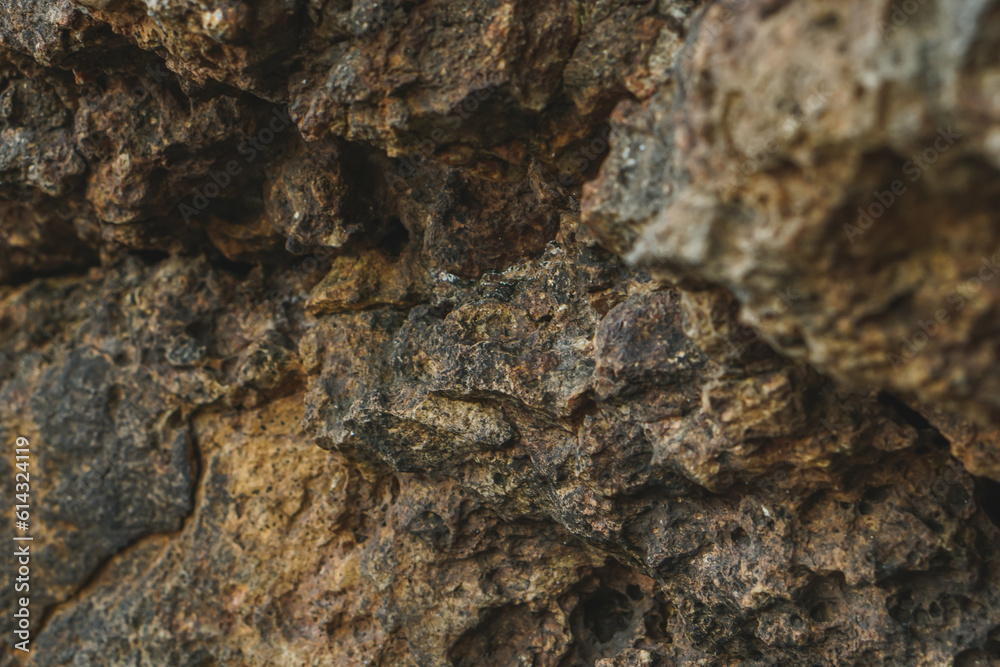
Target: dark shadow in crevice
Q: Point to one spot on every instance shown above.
(988, 498)
(907, 415)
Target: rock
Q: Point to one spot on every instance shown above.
(499, 333)
(808, 158)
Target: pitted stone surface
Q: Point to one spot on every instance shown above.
(500, 333)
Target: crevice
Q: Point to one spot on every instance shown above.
(582, 406)
(240, 270)
(908, 415)
(78, 271)
(150, 256)
(988, 498)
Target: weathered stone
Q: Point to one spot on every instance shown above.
(323, 361)
(817, 161)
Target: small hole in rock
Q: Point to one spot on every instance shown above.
(151, 256)
(395, 237)
(876, 494)
(740, 537)
(821, 612)
(240, 270)
(198, 330)
(606, 613)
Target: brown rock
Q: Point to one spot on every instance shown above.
(813, 161)
(319, 365)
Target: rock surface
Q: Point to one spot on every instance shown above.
(502, 333)
(835, 167)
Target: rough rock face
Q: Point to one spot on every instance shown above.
(835, 167)
(502, 333)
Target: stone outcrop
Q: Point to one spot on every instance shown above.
(502, 333)
(820, 162)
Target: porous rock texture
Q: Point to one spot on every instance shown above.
(495, 333)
